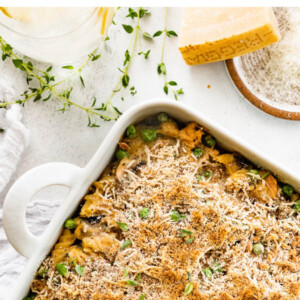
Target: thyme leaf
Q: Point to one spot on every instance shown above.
(161, 68)
(62, 269)
(147, 35)
(146, 54)
(189, 287)
(82, 81)
(125, 244)
(68, 67)
(123, 226)
(131, 282)
(128, 28)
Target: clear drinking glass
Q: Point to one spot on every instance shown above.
(56, 35)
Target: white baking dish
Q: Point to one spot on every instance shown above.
(79, 180)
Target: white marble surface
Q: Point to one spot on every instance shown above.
(65, 137)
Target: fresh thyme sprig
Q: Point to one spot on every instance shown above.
(47, 87)
(161, 68)
(136, 32)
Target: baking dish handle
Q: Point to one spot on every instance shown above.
(15, 204)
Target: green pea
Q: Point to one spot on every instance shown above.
(207, 174)
(120, 154)
(42, 271)
(217, 268)
(131, 131)
(209, 141)
(190, 240)
(199, 178)
(208, 272)
(287, 190)
(31, 297)
(198, 152)
(162, 117)
(184, 232)
(70, 224)
(148, 135)
(258, 249)
(296, 206)
(176, 216)
(144, 213)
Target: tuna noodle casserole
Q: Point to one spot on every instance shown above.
(177, 217)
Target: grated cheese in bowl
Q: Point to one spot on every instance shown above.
(273, 73)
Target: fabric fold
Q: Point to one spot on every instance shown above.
(14, 139)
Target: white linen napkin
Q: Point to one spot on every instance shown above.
(14, 139)
(12, 144)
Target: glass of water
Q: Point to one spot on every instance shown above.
(55, 34)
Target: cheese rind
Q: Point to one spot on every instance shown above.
(213, 34)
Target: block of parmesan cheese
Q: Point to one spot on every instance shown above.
(211, 34)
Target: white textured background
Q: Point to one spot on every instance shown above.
(65, 137)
